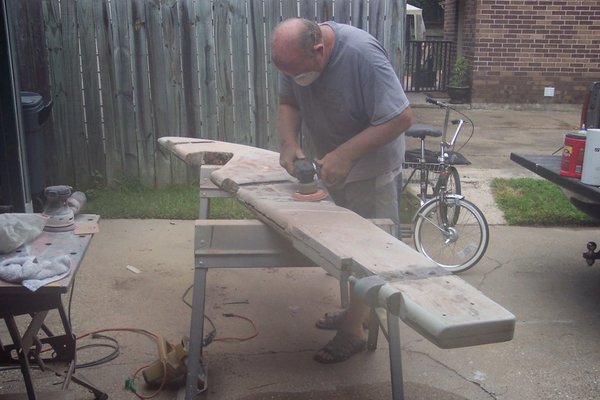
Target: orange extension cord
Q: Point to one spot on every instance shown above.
(154, 337)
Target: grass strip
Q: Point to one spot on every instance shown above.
(536, 202)
(524, 201)
(134, 201)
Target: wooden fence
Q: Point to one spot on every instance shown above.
(122, 73)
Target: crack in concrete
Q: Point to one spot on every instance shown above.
(491, 394)
(485, 275)
(405, 348)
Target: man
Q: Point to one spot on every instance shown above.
(337, 82)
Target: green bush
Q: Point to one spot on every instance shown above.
(459, 76)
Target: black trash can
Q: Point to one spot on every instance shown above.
(35, 114)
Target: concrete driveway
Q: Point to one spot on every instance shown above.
(536, 273)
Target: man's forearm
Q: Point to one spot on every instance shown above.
(289, 122)
(375, 136)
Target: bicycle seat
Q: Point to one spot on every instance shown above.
(422, 130)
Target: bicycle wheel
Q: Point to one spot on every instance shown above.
(452, 182)
(455, 245)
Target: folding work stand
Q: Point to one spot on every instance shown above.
(15, 300)
(252, 244)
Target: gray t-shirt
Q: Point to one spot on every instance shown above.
(358, 88)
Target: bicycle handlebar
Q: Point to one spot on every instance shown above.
(459, 122)
(438, 103)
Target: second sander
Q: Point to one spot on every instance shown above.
(308, 188)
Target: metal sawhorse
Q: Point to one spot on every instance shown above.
(209, 191)
(252, 244)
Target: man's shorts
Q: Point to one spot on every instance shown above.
(370, 198)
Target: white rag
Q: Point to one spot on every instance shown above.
(33, 273)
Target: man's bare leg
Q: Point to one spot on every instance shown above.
(349, 339)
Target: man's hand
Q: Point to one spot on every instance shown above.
(287, 156)
(334, 167)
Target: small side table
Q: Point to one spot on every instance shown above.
(15, 300)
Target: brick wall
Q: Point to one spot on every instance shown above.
(450, 20)
(451, 26)
(469, 29)
(519, 47)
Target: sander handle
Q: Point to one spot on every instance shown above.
(305, 170)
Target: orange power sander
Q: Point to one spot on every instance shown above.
(308, 188)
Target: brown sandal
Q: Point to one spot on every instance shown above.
(340, 348)
(333, 321)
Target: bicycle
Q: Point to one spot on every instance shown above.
(446, 228)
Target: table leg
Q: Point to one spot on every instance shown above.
(30, 334)
(204, 207)
(62, 345)
(70, 341)
(66, 348)
(393, 324)
(194, 361)
(25, 369)
(82, 381)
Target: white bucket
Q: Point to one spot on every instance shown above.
(590, 174)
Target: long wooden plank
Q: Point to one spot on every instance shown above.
(451, 313)
(91, 85)
(171, 25)
(145, 123)
(225, 100)
(396, 43)
(271, 18)
(74, 136)
(207, 77)
(243, 115)
(257, 82)
(122, 59)
(157, 72)
(442, 307)
(189, 67)
(56, 57)
(259, 165)
(112, 140)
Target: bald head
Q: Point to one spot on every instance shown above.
(293, 41)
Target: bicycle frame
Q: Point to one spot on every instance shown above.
(443, 173)
(447, 228)
(424, 168)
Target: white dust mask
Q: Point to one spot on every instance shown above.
(307, 78)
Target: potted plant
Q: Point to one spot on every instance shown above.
(458, 87)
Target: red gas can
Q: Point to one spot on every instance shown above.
(572, 155)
